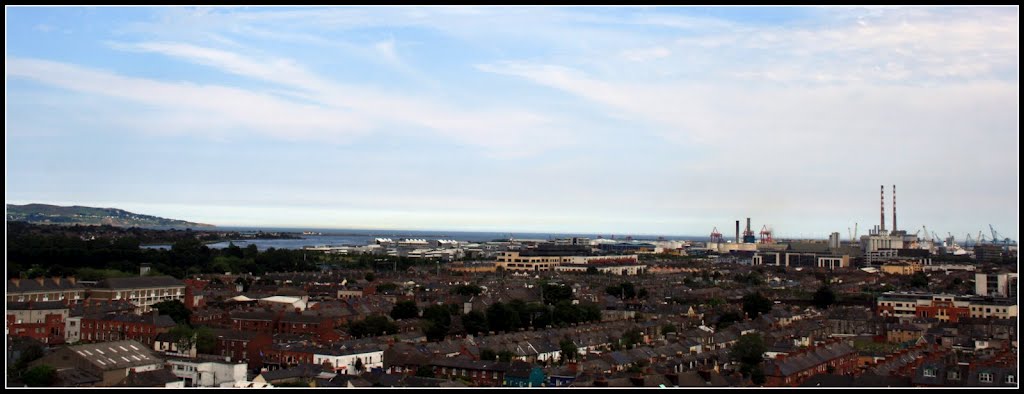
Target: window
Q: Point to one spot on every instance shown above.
(1011, 379)
(929, 372)
(953, 375)
(985, 377)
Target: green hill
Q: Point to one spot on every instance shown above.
(52, 214)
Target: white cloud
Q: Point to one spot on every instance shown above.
(186, 107)
(341, 110)
(646, 54)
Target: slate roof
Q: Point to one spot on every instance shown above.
(49, 284)
(298, 371)
(866, 380)
(36, 305)
(77, 377)
(694, 379)
(140, 282)
(808, 359)
(471, 364)
(156, 378)
(149, 318)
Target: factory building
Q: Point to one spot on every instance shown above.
(879, 238)
(746, 243)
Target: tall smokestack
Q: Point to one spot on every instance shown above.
(737, 231)
(893, 207)
(883, 209)
(748, 225)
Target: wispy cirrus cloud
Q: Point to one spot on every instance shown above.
(185, 107)
(336, 112)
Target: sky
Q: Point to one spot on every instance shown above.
(619, 120)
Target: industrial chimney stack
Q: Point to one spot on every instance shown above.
(882, 215)
(893, 208)
(737, 231)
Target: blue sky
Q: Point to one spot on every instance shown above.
(654, 120)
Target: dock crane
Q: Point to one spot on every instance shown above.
(996, 239)
(968, 240)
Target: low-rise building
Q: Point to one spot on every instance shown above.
(125, 326)
(143, 291)
(208, 371)
(345, 361)
(67, 290)
(44, 321)
(790, 370)
(996, 284)
(110, 361)
(944, 307)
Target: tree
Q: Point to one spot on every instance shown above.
(474, 322)
(555, 293)
(359, 364)
(667, 328)
(625, 291)
(372, 326)
(592, 270)
(206, 341)
(175, 309)
(505, 356)
(727, 319)
(438, 313)
(467, 290)
(32, 352)
(405, 310)
(749, 352)
(184, 337)
(632, 337)
(502, 318)
(250, 251)
(757, 375)
(488, 354)
(39, 376)
(919, 280)
(425, 371)
(370, 277)
(569, 350)
(438, 322)
(435, 331)
(755, 304)
(824, 297)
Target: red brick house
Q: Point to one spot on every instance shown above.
(835, 357)
(244, 346)
(125, 326)
(254, 321)
(42, 321)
